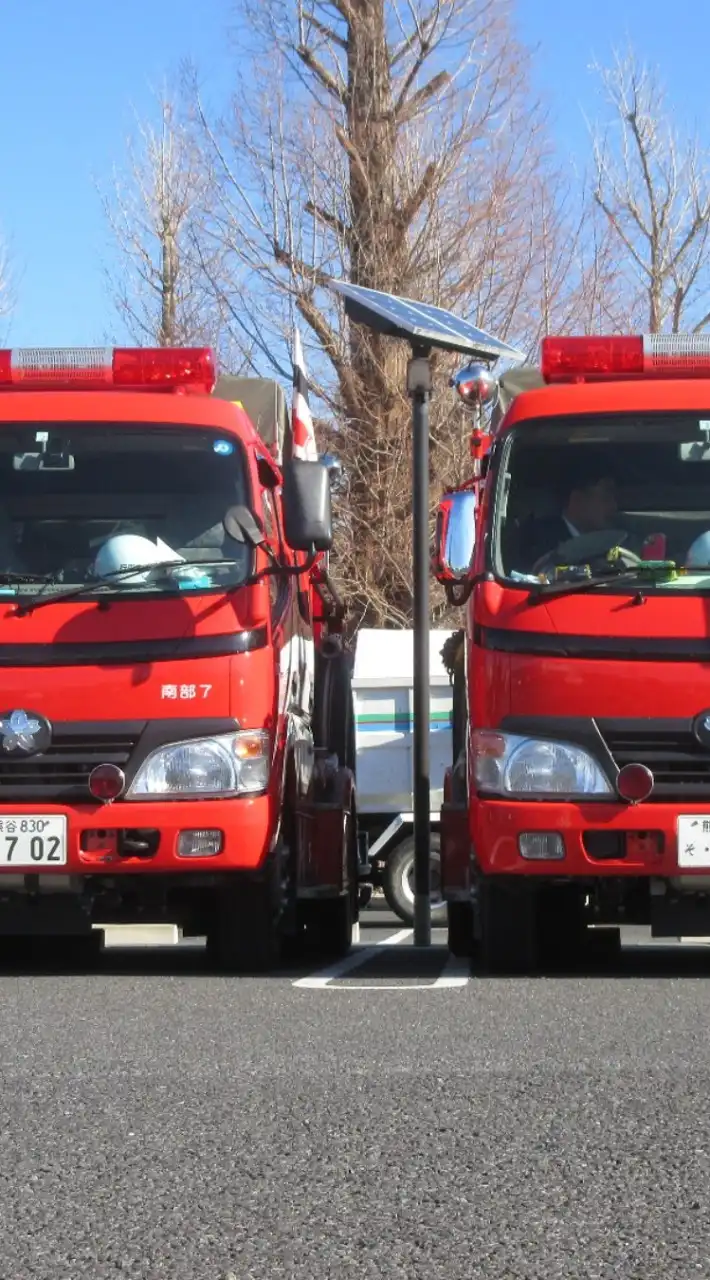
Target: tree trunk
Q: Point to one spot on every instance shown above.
(378, 260)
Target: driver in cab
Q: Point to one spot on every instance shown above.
(587, 505)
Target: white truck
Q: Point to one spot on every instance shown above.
(382, 693)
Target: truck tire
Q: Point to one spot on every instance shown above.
(398, 882)
(330, 927)
(561, 925)
(604, 943)
(508, 932)
(244, 936)
(460, 940)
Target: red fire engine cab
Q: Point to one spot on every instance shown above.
(172, 742)
(580, 789)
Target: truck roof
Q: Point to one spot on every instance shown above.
(264, 402)
(121, 406)
(523, 393)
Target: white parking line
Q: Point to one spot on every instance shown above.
(456, 973)
(316, 981)
(395, 938)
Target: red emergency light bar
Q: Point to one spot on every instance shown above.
(655, 355)
(98, 368)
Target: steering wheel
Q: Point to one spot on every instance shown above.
(587, 548)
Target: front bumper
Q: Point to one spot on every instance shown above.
(599, 839)
(97, 843)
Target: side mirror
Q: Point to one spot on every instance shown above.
(454, 537)
(308, 518)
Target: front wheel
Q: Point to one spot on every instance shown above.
(561, 925)
(398, 882)
(329, 926)
(507, 925)
(244, 935)
(460, 940)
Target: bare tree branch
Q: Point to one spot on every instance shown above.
(395, 144)
(653, 190)
(155, 210)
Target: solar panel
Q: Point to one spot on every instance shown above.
(420, 323)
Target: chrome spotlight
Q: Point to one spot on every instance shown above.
(475, 384)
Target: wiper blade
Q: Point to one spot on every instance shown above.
(646, 571)
(547, 589)
(118, 575)
(13, 578)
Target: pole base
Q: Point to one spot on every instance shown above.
(422, 920)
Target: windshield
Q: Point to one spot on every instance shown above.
(81, 503)
(622, 498)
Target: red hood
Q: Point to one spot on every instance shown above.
(642, 659)
(122, 663)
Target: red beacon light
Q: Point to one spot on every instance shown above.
(635, 783)
(106, 782)
(186, 369)
(603, 359)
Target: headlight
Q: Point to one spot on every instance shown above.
(231, 764)
(511, 765)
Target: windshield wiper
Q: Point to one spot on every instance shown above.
(646, 570)
(118, 575)
(13, 578)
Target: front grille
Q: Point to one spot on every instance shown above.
(62, 772)
(680, 766)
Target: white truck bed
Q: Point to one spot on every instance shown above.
(382, 690)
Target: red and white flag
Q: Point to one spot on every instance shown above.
(303, 435)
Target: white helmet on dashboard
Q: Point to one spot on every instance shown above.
(699, 552)
(128, 551)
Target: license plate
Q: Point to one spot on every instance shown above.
(33, 841)
(694, 840)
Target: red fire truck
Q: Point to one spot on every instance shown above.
(579, 793)
(174, 743)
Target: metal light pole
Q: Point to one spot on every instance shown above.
(419, 384)
(425, 328)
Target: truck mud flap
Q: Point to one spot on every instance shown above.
(456, 853)
(325, 844)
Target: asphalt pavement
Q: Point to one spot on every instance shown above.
(388, 1119)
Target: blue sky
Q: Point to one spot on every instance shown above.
(71, 72)
(567, 35)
